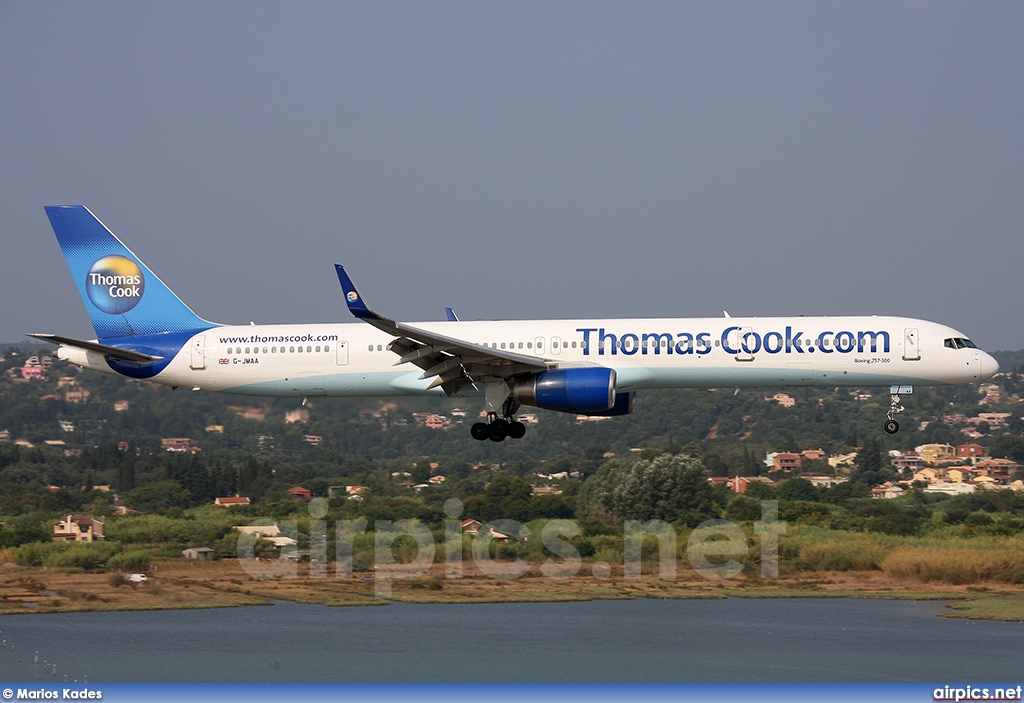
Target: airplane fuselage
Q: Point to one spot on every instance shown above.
(352, 359)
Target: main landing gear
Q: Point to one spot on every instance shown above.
(895, 406)
(498, 429)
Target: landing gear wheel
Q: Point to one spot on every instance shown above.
(892, 427)
(480, 431)
(498, 430)
(516, 429)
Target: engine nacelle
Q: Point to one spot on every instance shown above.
(589, 391)
(623, 405)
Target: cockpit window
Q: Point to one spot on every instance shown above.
(960, 343)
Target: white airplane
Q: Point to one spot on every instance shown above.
(588, 367)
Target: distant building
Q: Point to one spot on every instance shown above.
(300, 493)
(786, 462)
(198, 553)
(77, 395)
(121, 406)
(965, 451)
(78, 528)
(259, 530)
(935, 453)
(740, 484)
(313, 439)
(783, 399)
(32, 373)
(823, 480)
(908, 460)
(176, 444)
(949, 488)
(230, 501)
(297, 415)
(887, 491)
(999, 469)
(431, 420)
(248, 413)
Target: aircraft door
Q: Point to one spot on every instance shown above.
(342, 353)
(538, 345)
(556, 345)
(740, 342)
(198, 360)
(911, 345)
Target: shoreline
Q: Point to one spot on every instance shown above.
(221, 584)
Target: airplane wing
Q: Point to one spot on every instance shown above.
(104, 349)
(452, 362)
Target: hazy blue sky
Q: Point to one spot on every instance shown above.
(523, 159)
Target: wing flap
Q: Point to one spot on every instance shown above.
(455, 362)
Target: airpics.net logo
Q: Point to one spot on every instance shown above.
(115, 284)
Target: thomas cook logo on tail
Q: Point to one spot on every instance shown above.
(115, 284)
(352, 296)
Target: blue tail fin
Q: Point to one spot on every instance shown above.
(122, 296)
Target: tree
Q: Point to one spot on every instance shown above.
(797, 489)
(669, 487)
(507, 497)
(158, 497)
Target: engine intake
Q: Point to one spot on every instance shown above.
(588, 391)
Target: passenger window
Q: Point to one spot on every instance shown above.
(264, 350)
(574, 345)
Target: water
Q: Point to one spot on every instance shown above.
(732, 640)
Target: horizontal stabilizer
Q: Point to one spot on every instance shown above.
(104, 349)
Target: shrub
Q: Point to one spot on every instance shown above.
(88, 556)
(34, 553)
(842, 555)
(958, 565)
(132, 560)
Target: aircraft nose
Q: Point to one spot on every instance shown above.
(989, 366)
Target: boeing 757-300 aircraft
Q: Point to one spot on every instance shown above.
(587, 367)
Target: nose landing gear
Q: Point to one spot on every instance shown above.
(895, 406)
